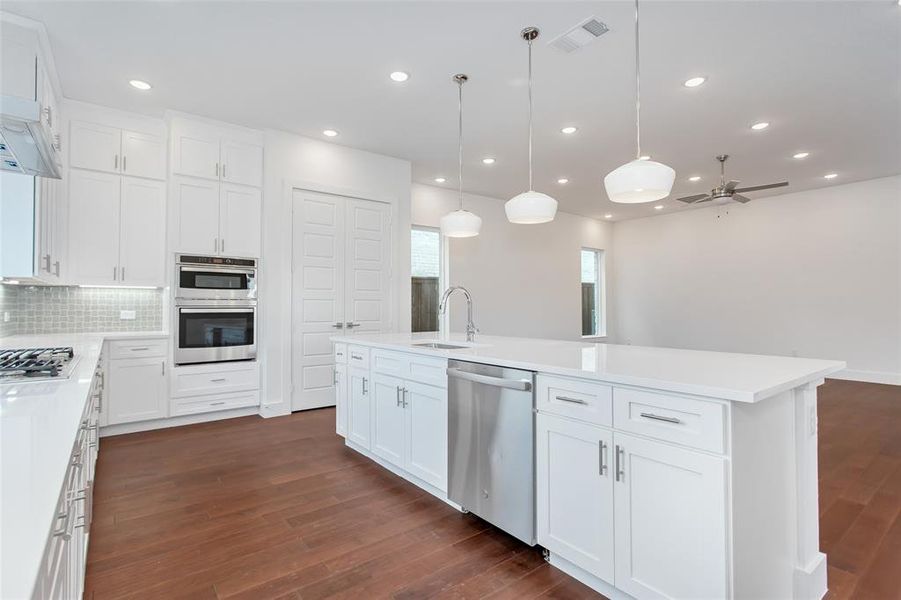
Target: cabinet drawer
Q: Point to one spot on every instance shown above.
(575, 398)
(340, 353)
(686, 421)
(390, 363)
(137, 348)
(358, 356)
(198, 380)
(214, 402)
(414, 367)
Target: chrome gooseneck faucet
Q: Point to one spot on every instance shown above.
(471, 329)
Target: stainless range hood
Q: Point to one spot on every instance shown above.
(25, 144)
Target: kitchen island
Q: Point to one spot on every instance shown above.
(659, 473)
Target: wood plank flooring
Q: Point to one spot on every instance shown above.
(278, 508)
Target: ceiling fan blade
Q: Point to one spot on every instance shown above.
(730, 185)
(740, 198)
(690, 199)
(755, 188)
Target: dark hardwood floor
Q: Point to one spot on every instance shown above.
(279, 508)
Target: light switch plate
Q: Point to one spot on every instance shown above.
(126, 315)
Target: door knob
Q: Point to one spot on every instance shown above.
(338, 325)
(351, 325)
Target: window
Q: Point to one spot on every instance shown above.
(425, 268)
(593, 317)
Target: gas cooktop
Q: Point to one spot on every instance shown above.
(35, 364)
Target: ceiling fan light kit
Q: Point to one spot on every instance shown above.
(460, 223)
(640, 180)
(728, 190)
(530, 207)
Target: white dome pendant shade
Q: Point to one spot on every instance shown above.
(460, 223)
(530, 208)
(639, 180)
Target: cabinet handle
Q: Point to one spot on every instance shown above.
(124, 159)
(335, 376)
(48, 110)
(223, 170)
(620, 469)
(572, 400)
(217, 380)
(163, 368)
(223, 244)
(356, 356)
(116, 162)
(56, 268)
(140, 349)
(404, 396)
(215, 244)
(47, 262)
(351, 324)
(338, 325)
(115, 272)
(57, 143)
(365, 386)
(217, 169)
(602, 458)
(399, 401)
(661, 418)
(217, 403)
(123, 273)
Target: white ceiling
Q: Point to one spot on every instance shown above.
(824, 74)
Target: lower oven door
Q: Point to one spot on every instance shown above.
(215, 334)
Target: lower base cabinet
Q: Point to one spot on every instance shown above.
(647, 517)
(358, 406)
(137, 390)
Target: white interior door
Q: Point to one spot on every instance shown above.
(142, 233)
(94, 226)
(317, 295)
(367, 273)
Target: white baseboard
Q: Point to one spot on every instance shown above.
(592, 581)
(868, 376)
(810, 582)
(177, 421)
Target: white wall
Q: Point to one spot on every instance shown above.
(815, 273)
(525, 279)
(312, 164)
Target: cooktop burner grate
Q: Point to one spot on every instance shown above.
(34, 362)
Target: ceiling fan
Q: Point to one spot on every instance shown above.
(728, 189)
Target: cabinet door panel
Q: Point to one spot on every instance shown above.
(137, 390)
(197, 205)
(94, 231)
(240, 211)
(575, 493)
(670, 529)
(142, 237)
(143, 155)
(242, 163)
(388, 422)
(426, 451)
(93, 146)
(358, 425)
(196, 154)
(341, 399)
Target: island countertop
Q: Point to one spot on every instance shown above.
(723, 375)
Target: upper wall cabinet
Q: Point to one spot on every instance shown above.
(201, 150)
(113, 150)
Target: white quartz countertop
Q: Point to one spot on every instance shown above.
(39, 423)
(728, 376)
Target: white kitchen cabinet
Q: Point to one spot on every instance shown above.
(214, 153)
(137, 390)
(240, 211)
(196, 153)
(388, 419)
(109, 149)
(242, 163)
(670, 531)
(341, 399)
(575, 492)
(358, 407)
(142, 232)
(426, 433)
(117, 227)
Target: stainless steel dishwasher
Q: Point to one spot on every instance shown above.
(491, 445)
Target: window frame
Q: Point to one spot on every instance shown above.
(600, 292)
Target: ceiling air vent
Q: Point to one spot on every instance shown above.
(581, 35)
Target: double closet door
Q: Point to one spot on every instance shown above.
(341, 274)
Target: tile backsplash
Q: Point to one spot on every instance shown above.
(59, 309)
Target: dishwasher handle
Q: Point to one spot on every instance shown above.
(522, 385)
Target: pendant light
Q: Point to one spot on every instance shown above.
(460, 223)
(530, 207)
(639, 180)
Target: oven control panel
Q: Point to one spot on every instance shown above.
(217, 260)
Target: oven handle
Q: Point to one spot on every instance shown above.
(218, 270)
(216, 309)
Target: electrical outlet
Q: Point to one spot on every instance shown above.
(126, 315)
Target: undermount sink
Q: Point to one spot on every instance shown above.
(440, 346)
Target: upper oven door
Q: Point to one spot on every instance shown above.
(215, 283)
(213, 333)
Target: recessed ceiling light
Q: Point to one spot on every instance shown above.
(658, 207)
(759, 126)
(399, 76)
(563, 180)
(141, 85)
(329, 132)
(440, 180)
(608, 216)
(645, 157)
(694, 81)
(695, 178)
(801, 155)
(830, 176)
(487, 161)
(569, 130)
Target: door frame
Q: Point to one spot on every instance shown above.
(287, 366)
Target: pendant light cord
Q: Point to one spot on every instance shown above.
(637, 89)
(460, 131)
(530, 115)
